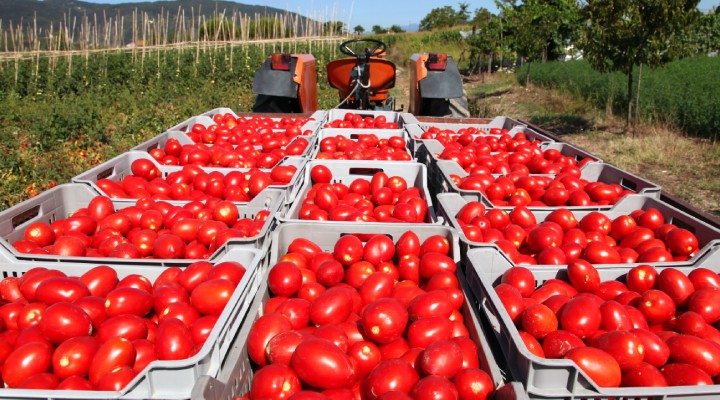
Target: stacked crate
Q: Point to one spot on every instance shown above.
(212, 146)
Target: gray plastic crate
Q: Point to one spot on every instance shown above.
(162, 379)
(449, 204)
(235, 376)
(119, 167)
(400, 118)
(62, 200)
(553, 378)
(347, 171)
(354, 134)
(592, 172)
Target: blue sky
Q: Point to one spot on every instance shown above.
(374, 12)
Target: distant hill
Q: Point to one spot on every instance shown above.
(53, 11)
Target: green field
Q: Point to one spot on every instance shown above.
(60, 116)
(683, 93)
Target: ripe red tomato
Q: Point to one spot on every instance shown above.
(695, 351)
(442, 358)
(583, 276)
(274, 382)
(211, 297)
(656, 306)
(641, 278)
(600, 366)
(539, 320)
(173, 341)
(434, 387)
(264, 329)
(384, 320)
(320, 174)
(115, 353)
(25, 361)
(676, 284)
(388, 376)
(284, 279)
(321, 364)
(332, 306)
(128, 300)
(62, 321)
(473, 383)
(624, 346)
(644, 375)
(581, 316)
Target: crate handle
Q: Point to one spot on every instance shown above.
(25, 216)
(153, 147)
(104, 174)
(365, 171)
(628, 184)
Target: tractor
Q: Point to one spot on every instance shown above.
(287, 83)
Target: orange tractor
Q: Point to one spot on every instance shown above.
(287, 82)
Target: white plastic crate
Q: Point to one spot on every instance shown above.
(161, 379)
(347, 171)
(554, 378)
(61, 201)
(119, 167)
(449, 204)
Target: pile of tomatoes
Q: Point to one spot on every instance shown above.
(365, 147)
(504, 155)
(382, 199)
(643, 236)
(352, 120)
(521, 189)
(193, 183)
(94, 332)
(451, 135)
(241, 130)
(647, 328)
(379, 320)
(266, 155)
(149, 229)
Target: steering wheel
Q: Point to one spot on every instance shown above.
(379, 48)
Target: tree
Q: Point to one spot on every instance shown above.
(443, 17)
(485, 40)
(705, 33)
(216, 29)
(541, 29)
(359, 29)
(396, 29)
(332, 28)
(622, 34)
(378, 30)
(265, 28)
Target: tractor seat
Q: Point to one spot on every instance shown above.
(382, 74)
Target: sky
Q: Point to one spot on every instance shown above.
(373, 12)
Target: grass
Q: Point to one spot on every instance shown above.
(683, 166)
